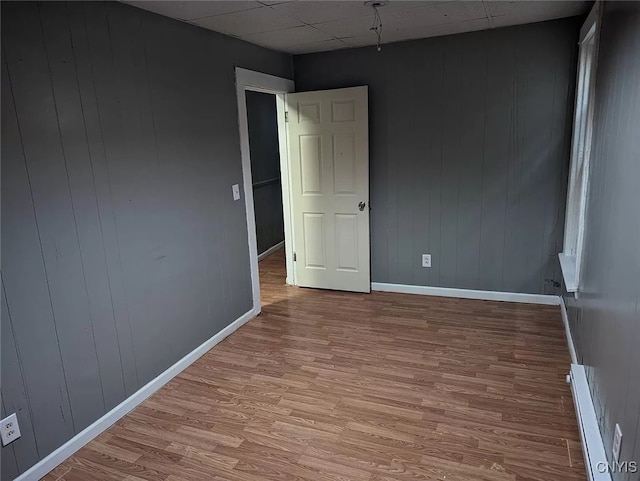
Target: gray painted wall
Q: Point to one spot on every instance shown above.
(469, 142)
(122, 247)
(605, 321)
(265, 168)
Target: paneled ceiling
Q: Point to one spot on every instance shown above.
(303, 26)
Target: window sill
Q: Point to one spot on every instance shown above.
(568, 267)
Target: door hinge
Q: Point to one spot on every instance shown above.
(295, 258)
(286, 116)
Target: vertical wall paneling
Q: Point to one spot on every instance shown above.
(29, 69)
(423, 120)
(451, 143)
(26, 288)
(106, 280)
(81, 185)
(123, 249)
(436, 76)
(132, 175)
(470, 176)
(400, 113)
(23, 452)
(496, 153)
(365, 72)
(605, 320)
(9, 466)
(476, 131)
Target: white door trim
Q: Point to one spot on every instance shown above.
(261, 82)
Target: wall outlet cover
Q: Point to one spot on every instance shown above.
(617, 443)
(9, 430)
(236, 191)
(426, 260)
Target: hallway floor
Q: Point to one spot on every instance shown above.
(333, 386)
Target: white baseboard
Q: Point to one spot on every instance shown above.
(467, 293)
(594, 455)
(270, 250)
(567, 330)
(54, 459)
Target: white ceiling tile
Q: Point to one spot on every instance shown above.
(400, 19)
(360, 40)
(324, 46)
(543, 9)
(507, 14)
(323, 11)
(280, 24)
(426, 31)
(405, 4)
(349, 27)
(274, 2)
(496, 8)
(433, 14)
(247, 22)
(189, 10)
(279, 39)
(414, 33)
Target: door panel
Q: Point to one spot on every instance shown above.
(344, 164)
(314, 252)
(329, 147)
(347, 242)
(311, 164)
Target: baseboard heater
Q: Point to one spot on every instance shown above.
(595, 457)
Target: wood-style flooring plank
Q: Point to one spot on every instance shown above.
(329, 386)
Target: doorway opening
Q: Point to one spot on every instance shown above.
(262, 122)
(324, 181)
(265, 169)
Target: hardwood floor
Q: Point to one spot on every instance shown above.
(340, 386)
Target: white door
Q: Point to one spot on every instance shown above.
(328, 135)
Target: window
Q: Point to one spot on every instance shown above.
(571, 257)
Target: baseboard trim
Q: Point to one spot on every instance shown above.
(467, 293)
(54, 459)
(567, 330)
(592, 445)
(270, 250)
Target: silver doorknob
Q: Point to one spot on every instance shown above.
(362, 205)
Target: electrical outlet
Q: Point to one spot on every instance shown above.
(9, 430)
(236, 191)
(426, 260)
(617, 443)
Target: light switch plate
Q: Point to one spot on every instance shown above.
(236, 191)
(9, 429)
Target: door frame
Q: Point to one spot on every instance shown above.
(261, 82)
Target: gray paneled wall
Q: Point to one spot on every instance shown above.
(469, 145)
(605, 321)
(265, 169)
(122, 247)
